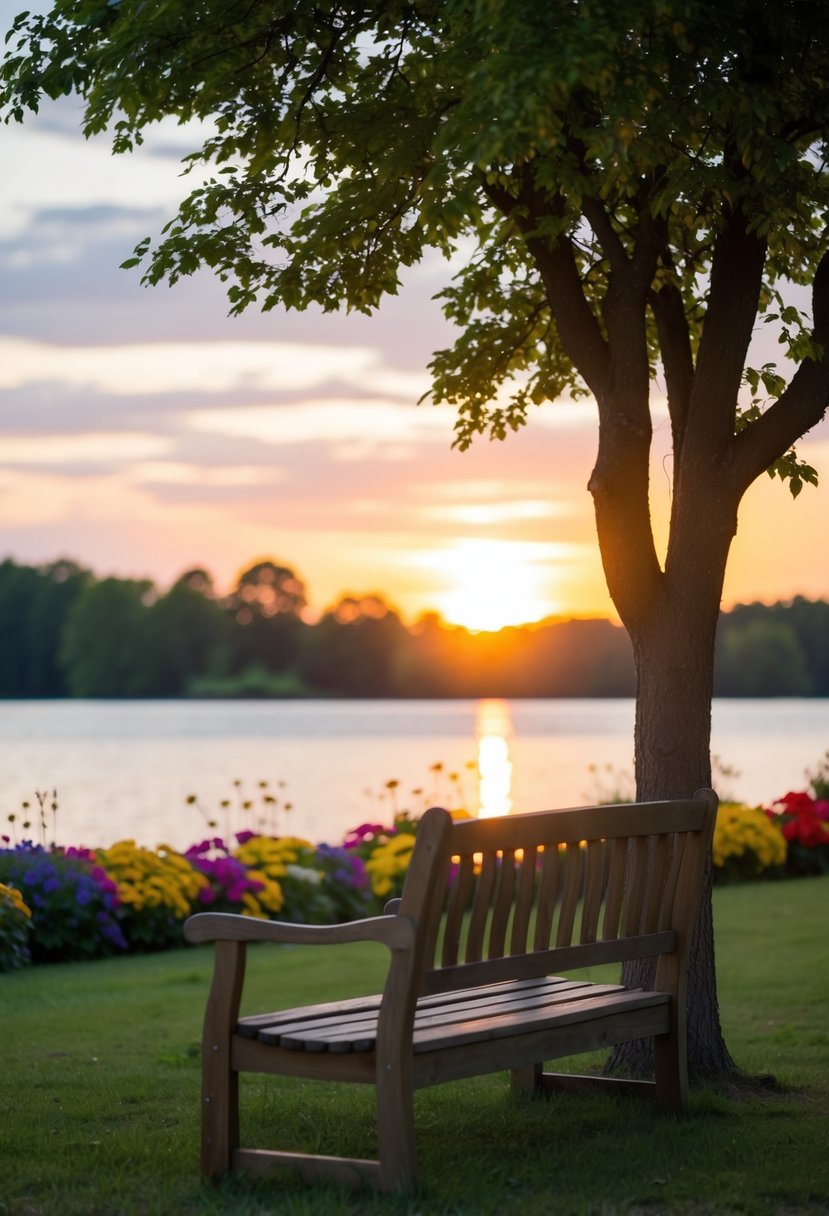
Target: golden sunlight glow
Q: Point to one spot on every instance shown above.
(495, 583)
(493, 728)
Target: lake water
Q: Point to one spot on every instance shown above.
(126, 768)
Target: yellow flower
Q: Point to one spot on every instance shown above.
(745, 836)
(12, 896)
(389, 862)
(152, 878)
(270, 856)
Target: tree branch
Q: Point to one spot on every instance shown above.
(736, 277)
(577, 325)
(625, 314)
(799, 408)
(607, 236)
(674, 335)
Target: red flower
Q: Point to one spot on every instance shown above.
(804, 820)
(795, 804)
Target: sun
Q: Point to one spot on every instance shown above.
(493, 583)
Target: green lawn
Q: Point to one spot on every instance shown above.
(99, 1085)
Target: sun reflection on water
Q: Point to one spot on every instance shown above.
(493, 728)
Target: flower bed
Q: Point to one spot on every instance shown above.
(60, 903)
(68, 903)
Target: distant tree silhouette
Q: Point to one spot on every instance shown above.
(265, 609)
(187, 636)
(104, 643)
(356, 648)
(34, 604)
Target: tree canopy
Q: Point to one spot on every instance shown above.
(585, 155)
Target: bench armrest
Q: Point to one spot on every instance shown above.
(396, 932)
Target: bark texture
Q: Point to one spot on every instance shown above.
(672, 756)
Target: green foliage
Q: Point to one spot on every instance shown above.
(760, 658)
(340, 143)
(787, 467)
(183, 633)
(34, 604)
(773, 650)
(14, 928)
(819, 779)
(102, 641)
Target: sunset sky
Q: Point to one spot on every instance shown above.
(144, 432)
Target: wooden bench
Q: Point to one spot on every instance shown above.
(491, 911)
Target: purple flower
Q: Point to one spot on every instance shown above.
(365, 833)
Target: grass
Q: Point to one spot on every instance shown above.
(100, 1077)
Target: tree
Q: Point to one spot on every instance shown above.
(105, 642)
(186, 634)
(634, 181)
(762, 658)
(265, 607)
(34, 605)
(356, 648)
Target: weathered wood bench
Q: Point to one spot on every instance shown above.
(491, 910)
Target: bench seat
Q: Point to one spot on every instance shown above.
(457, 1019)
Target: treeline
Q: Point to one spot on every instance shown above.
(66, 633)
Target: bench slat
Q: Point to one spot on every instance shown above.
(558, 1001)
(458, 898)
(593, 890)
(573, 861)
(636, 886)
(660, 857)
(292, 1027)
(496, 946)
(546, 962)
(480, 909)
(524, 901)
(501, 1025)
(615, 888)
(249, 1027)
(666, 915)
(547, 897)
(570, 825)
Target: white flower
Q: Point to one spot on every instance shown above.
(304, 874)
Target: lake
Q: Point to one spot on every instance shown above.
(126, 768)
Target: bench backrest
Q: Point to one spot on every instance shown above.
(536, 894)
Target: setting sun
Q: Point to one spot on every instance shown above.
(494, 583)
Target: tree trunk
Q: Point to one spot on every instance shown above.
(675, 663)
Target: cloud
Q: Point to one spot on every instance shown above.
(164, 367)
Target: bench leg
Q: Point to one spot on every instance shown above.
(526, 1081)
(220, 1119)
(671, 1066)
(220, 1084)
(395, 1129)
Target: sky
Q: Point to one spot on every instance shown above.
(144, 432)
